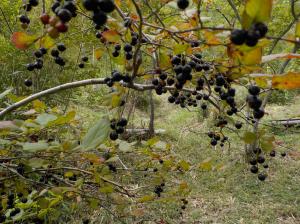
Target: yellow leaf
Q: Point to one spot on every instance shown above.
(98, 53)
(290, 80)
(211, 38)
(180, 48)
(46, 42)
(111, 36)
(257, 11)
(184, 165)
(206, 164)
(39, 105)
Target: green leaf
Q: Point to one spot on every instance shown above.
(34, 147)
(106, 190)
(6, 92)
(146, 198)
(44, 119)
(184, 165)
(96, 135)
(206, 164)
(249, 137)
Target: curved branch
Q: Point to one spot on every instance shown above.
(71, 85)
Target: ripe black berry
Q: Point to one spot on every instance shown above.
(34, 2)
(254, 169)
(61, 47)
(182, 4)
(28, 82)
(113, 135)
(283, 154)
(262, 176)
(258, 114)
(81, 65)
(261, 159)
(213, 142)
(238, 37)
(261, 28)
(122, 122)
(54, 53)
(99, 18)
(238, 125)
(106, 5)
(254, 90)
(64, 15)
(273, 153)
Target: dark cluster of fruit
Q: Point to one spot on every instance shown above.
(116, 76)
(39, 63)
(118, 127)
(112, 167)
(55, 53)
(257, 160)
(254, 102)
(215, 138)
(249, 37)
(58, 23)
(25, 21)
(183, 4)
(84, 59)
(184, 203)
(128, 51)
(99, 9)
(159, 189)
(116, 52)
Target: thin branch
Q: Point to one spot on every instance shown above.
(231, 3)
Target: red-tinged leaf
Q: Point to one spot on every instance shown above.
(111, 36)
(272, 57)
(290, 80)
(22, 40)
(287, 81)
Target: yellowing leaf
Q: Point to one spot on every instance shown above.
(146, 198)
(23, 40)
(46, 42)
(164, 60)
(111, 36)
(297, 32)
(206, 164)
(107, 189)
(290, 80)
(211, 38)
(180, 48)
(184, 165)
(257, 11)
(249, 137)
(98, 53)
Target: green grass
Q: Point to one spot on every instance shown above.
(228, 193)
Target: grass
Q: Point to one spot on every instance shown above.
(229, 193)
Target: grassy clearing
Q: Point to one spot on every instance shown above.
(229, 193)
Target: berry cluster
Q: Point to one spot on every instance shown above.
(99, 9)
(249, 37)
(184, 203)
(25, 21)
(31, 3)
(254, 102)
(128, 51)
(215, 138)
(63, 14)
(116, 77)
(159, 189)
(257, 160)
(118, 127)
(116, 51)
(55, 54)
(39, 63)
(84, 59)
